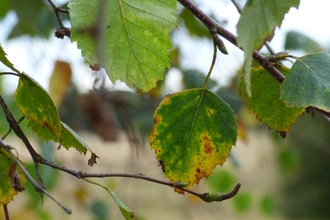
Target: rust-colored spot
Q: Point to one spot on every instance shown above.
(207, 145)
(167, 99)
(157, 119)
(209, 111)
(199, 174)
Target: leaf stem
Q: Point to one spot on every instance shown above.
(9, 73)
(212, 65)
(5, 210)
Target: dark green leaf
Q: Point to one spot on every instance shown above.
(266, 102)
(308, 83)
(298, 41)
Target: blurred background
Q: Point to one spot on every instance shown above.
(281, 178)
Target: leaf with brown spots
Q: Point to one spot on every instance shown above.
(12, 179)
(36, 105)
(193, 132)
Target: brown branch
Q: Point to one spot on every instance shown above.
(5, 210)
(79, 174)
(62, 31)
(214, 26)
(18, 131)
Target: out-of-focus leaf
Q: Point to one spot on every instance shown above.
(221, 181)
(257, 23)
(35, 18)
(195, 79)
(100, 210)
(267, 205)
(5, 61)
(307, 84)
(297, 41)
(266, 102)
(193, 132)
(242, 201)
(49, 174)
(5, 6)
(36, 105)
(130, 39)
(194, 26)
(289, 159)
(60, 81)
(8, 171)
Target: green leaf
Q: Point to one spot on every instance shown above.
(257, 22)
(298, 41)
(266, 102)
(130, 39)
(193, 132)
(5, 61)
(125, 211)
(36, 105)
(8, 167)
(71, 139)
(308, 82)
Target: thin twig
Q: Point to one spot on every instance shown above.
(36, 186)
(237, 5)
(62, 31)
(213, 25)
(18, 131)
(179, 185)
(57, 11)
(214, 58)
(5, 210)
